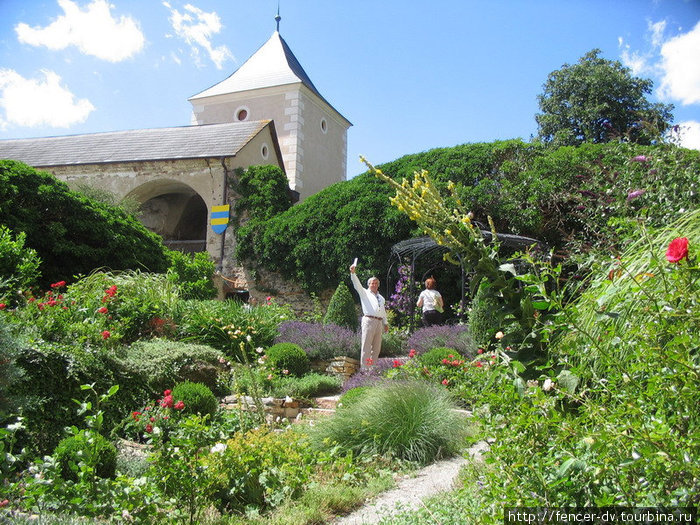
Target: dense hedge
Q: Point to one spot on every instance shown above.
(71, 233)
(570, 197)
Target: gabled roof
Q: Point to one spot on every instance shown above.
(272, 65)
(185, 142)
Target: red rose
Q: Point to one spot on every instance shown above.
(149, 428)
(167, 402)
(103, 310)
(167, 392)
(106, 334)
(677, 250)
(179, 405)
(3, 306)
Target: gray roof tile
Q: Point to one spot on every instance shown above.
(213, 140)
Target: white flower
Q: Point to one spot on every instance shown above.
(288, 399)
(499, 335)
(218, 448)
(259, 349)
(547, 385)
(248, 338)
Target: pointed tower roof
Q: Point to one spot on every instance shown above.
(273, 64)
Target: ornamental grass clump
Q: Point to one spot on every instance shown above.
(410, 420)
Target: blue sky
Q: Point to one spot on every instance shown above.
(410, 76)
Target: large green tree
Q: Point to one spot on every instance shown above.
(598, 100)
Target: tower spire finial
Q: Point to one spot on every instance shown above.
(278, 17)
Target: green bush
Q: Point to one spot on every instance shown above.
(393, 343)
(192, 274)
(198, 398)
(410, 420)
(19, 266)
(52, 375)
(71, 233)
(226, 325)
(435, 356)
(160, 363)
(10, 373)
(258, 469)
(89, 448)
(341, 309)
(483, 317)
(290, 357)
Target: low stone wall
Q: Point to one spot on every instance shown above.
(342, 367)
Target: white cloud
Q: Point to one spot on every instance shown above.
(93, 31)
(680, 64)
(196, 28)
(39, 102)
(689, 133)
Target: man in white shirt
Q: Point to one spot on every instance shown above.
(374, 320)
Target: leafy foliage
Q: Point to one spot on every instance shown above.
(598, 100)
(19, 266)
(89, 447)
(71, 233)
(193, 274)
(483, 318)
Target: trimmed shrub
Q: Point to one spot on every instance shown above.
(72, 234)
(341, 309)
(290, 357)
(452, 336)
(87, 447)
(160, 363)
(482, 316)
(198, 398)
(435, 356)
(320, 341)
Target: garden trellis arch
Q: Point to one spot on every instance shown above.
(410, 250)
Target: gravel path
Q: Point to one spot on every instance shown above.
(411, 491)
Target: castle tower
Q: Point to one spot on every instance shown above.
(271, 84)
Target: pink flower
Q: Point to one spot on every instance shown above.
(167, 401)
(3, 306)
(4, 503)
(480, 351)
(640, 158)
(149, 428)
(179, 405)
(397, 363)
(167, 392)
(634, 194)
(102, 310)
(106, 334)
(412, 352)
(445, 382)
(677, 250)
(478, 364)
(59, 284)
(370, 361)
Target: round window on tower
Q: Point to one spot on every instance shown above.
(324, 125)
(265, 151)
(242, 114)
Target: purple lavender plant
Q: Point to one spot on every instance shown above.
(451, 336)
(320, 341)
